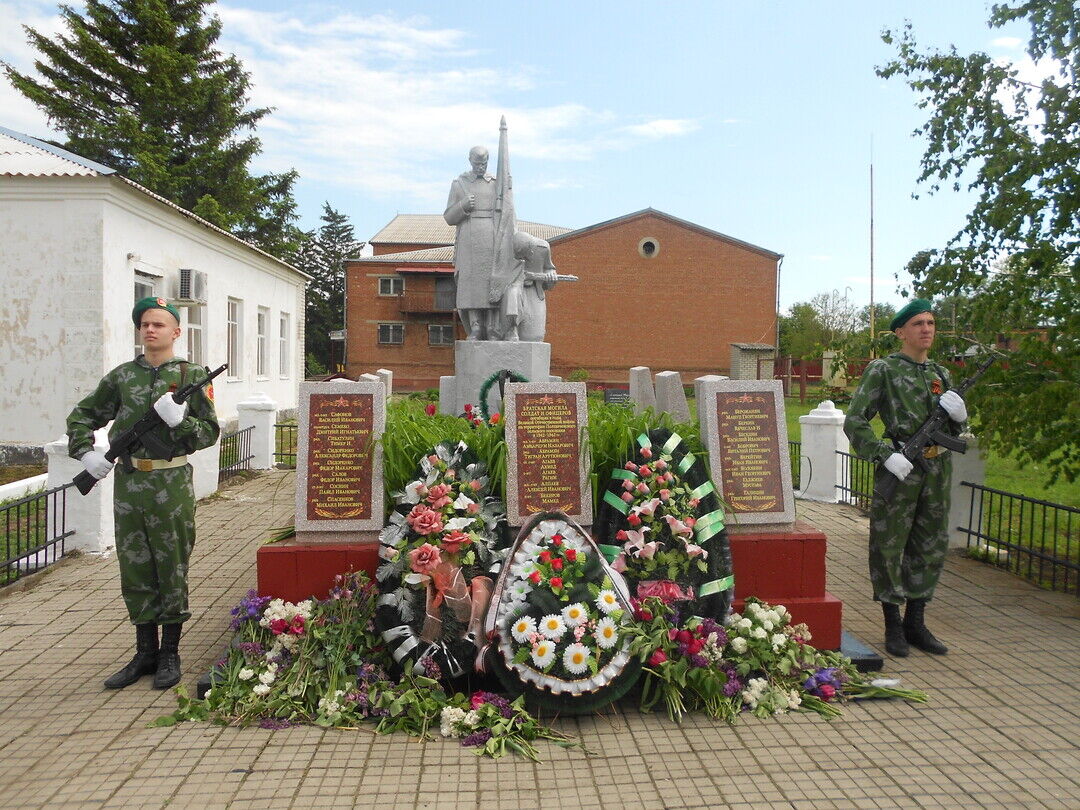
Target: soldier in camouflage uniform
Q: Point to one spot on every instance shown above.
(153, 502)
(909, 534)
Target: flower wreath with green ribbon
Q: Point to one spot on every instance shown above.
(662, 524)
(439, 547)
(557, 620)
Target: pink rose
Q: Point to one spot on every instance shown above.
(642, 488)
(668, 477)
(665, 494)
(475, 485)
(472, 509)
(425, 559)
(424, 520)
(627, 485)
(644, 471)
(657, 658)
(626, 496)
(646, 452)
(660, 464)
(438, 491)
(630, 466)
(454, 541)
(449, 475)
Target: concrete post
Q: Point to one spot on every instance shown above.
(90, 515)
(699, 381)
(387, 377)
(971, 467)
(258, 411)
(641, 389)
(671, 397)
(822, 436)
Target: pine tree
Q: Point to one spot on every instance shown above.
(140, 86)
(322, 255)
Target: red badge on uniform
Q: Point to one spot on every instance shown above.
(161, 302)
(935, 387)
(210, 392)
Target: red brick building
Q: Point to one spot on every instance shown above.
(654, 290)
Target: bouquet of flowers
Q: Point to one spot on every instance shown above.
(558, 613)
(440, 542)
(662, 515)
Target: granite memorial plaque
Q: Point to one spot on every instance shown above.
(547, 463)
(339, 486)
(618, 396)
(746, 436)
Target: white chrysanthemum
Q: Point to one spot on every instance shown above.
(607, 601)
(246, 674)
(524, 627)
(606, 633)
(523, 569)
(543, 653)
(575, 614)
(778, 640)
(738, 644)
(773, 616)
(768, 625)
(744, 624)
(519, 590)
(552, 626)
(758, 632)
(576, 658)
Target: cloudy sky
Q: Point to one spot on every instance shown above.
(756, 119)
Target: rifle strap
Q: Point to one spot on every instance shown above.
(183, 372)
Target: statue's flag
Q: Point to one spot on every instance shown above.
(502, 273)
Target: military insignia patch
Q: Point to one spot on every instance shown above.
(935, 387)
(161, 302)
(210, 392)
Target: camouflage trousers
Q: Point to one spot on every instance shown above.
(909, 535)
(155, 532)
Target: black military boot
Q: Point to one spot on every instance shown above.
(915, 630)
(145, 661)
(168, 668)
(895, 644)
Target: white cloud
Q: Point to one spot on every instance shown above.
(663, 128)
(1012, 43)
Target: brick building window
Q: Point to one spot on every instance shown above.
(440, 334)
(391, 285)
(391, 333)
(445, 293)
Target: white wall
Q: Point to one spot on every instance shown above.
(66, 291)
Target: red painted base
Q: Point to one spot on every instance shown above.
(822, 614)
(294, 572)
(780, 564)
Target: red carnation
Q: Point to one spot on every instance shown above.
(556, 583)
(571, 554)
(544, 556)
(468, 407)
(556, 564)
(534, 577)
(684, 636)
(657, 658)
(430, 409)
(556, 540)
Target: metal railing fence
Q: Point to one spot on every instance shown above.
(856, 484)
(1033, 538)
(236, 453)
(34, 529)
(285, 444)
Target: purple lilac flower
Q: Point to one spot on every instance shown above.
(699, 660)
(430, 668)
(274, 723)
(734, 684)
(249, 609)
(498, 701)
(251, 649)
(477, 738)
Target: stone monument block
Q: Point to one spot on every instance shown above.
(671, 397)
(743, 428)
(476, 360)
(547, 464)
(704, 379)
(387, 377)
(339, 464)
(641, 389)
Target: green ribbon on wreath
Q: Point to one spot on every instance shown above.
(625, 475)
(686, 463)
(609, 552)
(717, 585)
(671, 444)
(513, 376)
(613, 499)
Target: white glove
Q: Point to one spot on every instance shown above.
(96, 464)
(954, 406)
(170, 411)
(898, 465)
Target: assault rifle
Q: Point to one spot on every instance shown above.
(929, 434)
(139, 434)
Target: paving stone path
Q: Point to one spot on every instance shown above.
(1001, 729)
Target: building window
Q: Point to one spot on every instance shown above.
(440, 334)
(649, 247)
(392, 333)
(391, 285)
(145, 286)
(445, 293)
(283, 344)
(234, 336)
(262, 329)
(195, 335)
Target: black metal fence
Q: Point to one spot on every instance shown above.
(795, 455)
(285, 444)
(34, 529)
(236, 453)
(1032, 538)
(856, 484)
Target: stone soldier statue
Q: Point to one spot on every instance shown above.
(153, 498)
(471, 208)
(908, 534)
(522, 314)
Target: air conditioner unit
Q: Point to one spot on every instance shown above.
(192, 287)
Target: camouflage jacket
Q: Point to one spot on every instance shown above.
(903, 393)
(129, 391)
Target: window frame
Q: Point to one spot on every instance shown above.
(234, 337)
(394, 281)
(391, 325)
(443, 328)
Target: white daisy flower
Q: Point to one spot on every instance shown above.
(522, 628)
(543, 653)
(606, 633)
(246, 674)
(607, 601)
(574, 614)
(576, 659)
(552, 626)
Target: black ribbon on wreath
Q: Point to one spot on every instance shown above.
(662, 521)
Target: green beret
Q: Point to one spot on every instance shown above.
(917, 306)
(153, 302)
